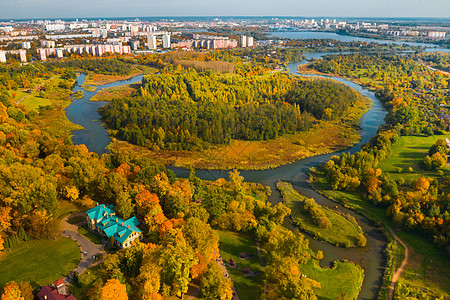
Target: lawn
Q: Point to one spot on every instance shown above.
(342, 232)
(66, 208)
(231, 245)
(40, 261)
(94, 238)
(407, 152)
(344, 277)
(32, 102)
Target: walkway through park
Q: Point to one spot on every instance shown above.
(88, 249)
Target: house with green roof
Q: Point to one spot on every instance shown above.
(103, 220)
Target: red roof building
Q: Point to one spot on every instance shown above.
(56, 291)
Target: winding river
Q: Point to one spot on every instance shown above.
(370, 258)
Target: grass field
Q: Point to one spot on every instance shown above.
(428, 267)
(231, 245)
(66, 208)
(40, 261)
(342, 232)
(408, 152)
(344, 277)
(94, 238)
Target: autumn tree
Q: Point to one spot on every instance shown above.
(284, 281)
(214, 285)
(11, 291)
(124, 206)
(177, 259)
(113, 290)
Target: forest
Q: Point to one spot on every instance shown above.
(188, 110)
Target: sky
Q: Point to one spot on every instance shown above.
(15, 9)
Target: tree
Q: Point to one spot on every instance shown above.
(113, 290)
(284, 281)
(124, 206)
(361, 240)
(145, 201)
(11, 291)
(319, 254)
(26, 289)
(214, 285)
(422, 184)
(177, 258)
(5, 218)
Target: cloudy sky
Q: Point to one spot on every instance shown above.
(147, 8)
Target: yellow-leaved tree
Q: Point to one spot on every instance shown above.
(113, 290)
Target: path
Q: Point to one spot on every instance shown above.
(225, 273)
(71, 231)
(259, 255)
(399, 271)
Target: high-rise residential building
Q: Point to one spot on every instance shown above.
(166, 40)
(249, 41)
(26, 45)
(55, 27)
(42, 55)
(2, 57)
(134, 44)
(23, 55)
(151, 41)
(243, 41)
(48, 44)
(103, 32)
(59, 53)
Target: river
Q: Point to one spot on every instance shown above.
(370, 258)
(316, 35)
(84, 112)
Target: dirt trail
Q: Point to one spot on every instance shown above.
(398, 271)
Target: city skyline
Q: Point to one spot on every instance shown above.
(27, 9)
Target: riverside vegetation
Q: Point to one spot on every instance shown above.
(417, 201)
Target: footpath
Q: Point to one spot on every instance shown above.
(89, 250)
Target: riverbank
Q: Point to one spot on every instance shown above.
(101, 79)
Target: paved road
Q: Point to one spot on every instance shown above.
(71, 231)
